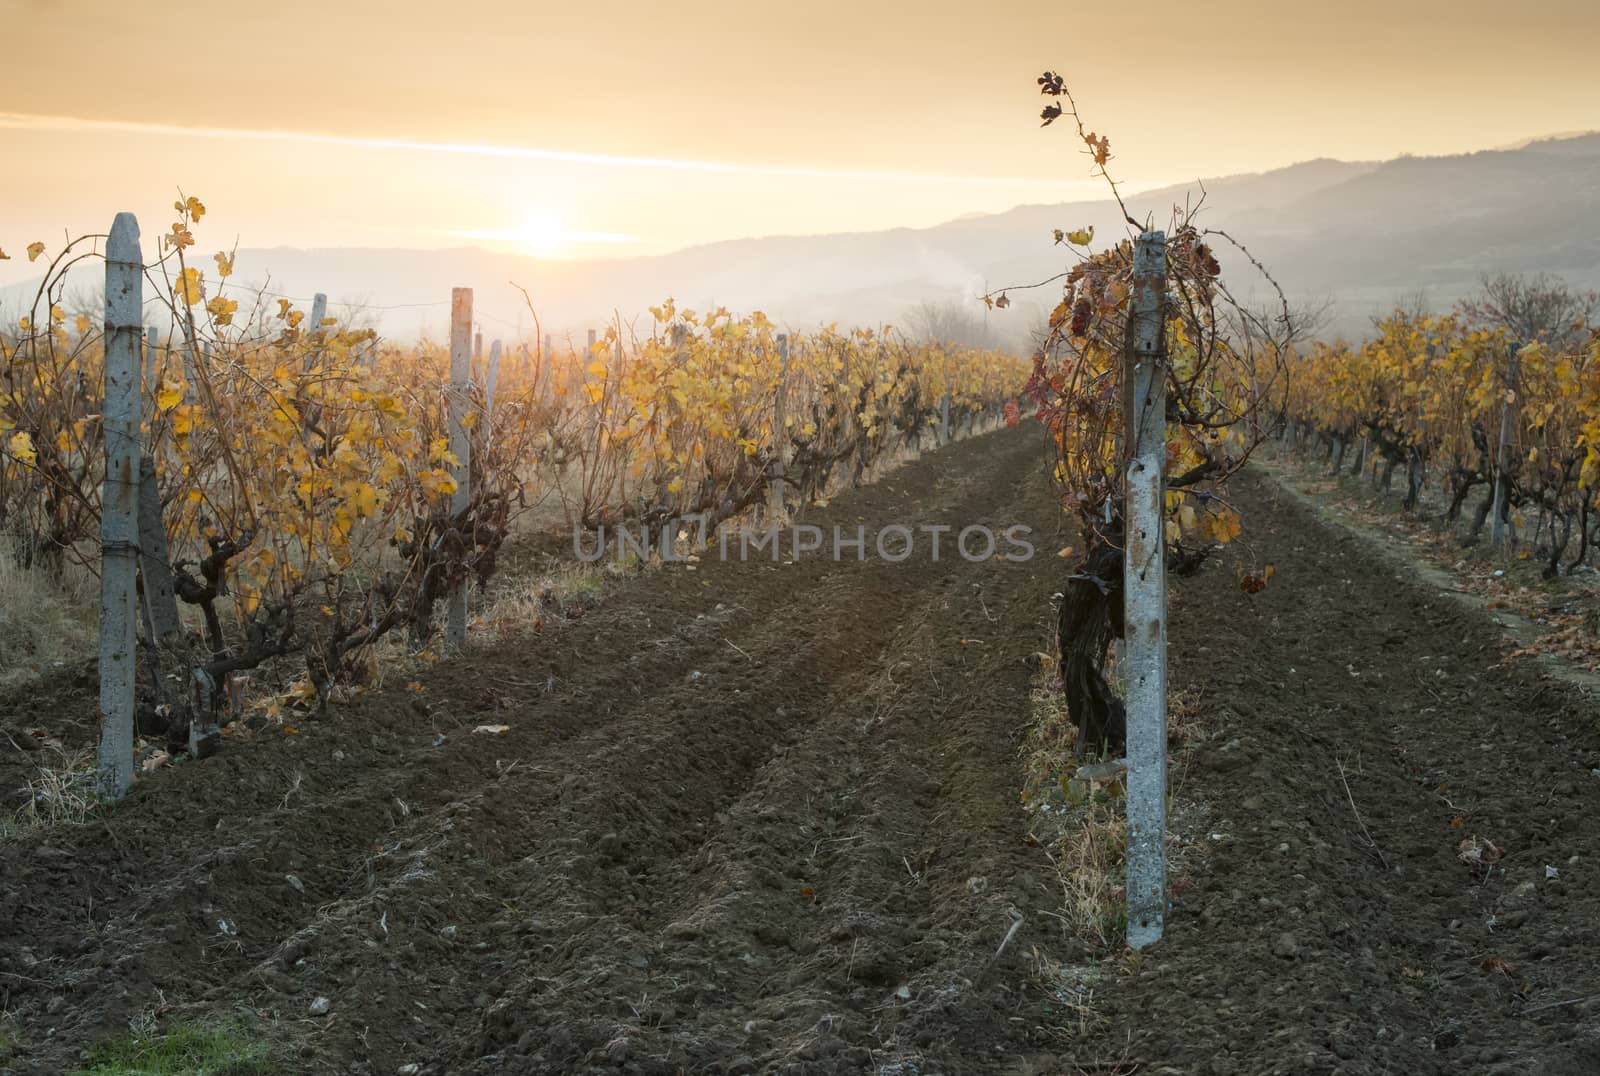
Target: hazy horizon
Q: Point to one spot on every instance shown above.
(536, 129)
(356, 133)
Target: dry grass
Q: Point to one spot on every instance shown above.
(43, 621)
(1090, 859)
(1073, 987)
(1085, 833)
(1086, 841)
(58, 794)
(518, 604)
(1049, 743)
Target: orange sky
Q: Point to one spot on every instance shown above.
(794, 117)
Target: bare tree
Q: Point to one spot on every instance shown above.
(948, 323)
(1413, 305)
(1305, 320)
(1543, 308)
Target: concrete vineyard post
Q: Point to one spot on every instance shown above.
(491, 380)
(191, 377)
(460, 445)
(119, 505)
(1508, 422)
(160, 600)
(152, 361)
(588, 357)
(780, 435)
(1145, 593)
(547, 371)
(944, 420)
(319, 310)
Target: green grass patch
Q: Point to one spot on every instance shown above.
(185, 1050)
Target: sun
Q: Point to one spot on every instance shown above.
(540, 232)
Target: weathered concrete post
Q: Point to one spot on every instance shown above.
(1145, 593)
(460, 402)
(1508, 429)
(780, 435)
(547, 371)
(313, 329)
(492, 379)
(119, 551)
(152, 361)
(160, 601)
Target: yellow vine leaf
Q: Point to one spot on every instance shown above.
(190, 287)
(34, 250)
(1226, 526)
(222, 310)
(22, 447)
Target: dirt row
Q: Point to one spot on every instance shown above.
(746, 816)
(758, 817)
(1365, 725)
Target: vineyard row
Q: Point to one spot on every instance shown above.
(1511, 424)
(308, 488)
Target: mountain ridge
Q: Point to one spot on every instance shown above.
(1361, 233)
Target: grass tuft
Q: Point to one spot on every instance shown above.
(185, 1050)
(42, 621)
(1090, 860)
(64, 794)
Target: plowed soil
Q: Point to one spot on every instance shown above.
(757, 817)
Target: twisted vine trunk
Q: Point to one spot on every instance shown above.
(1090, 617)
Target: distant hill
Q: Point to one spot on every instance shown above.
(1361, 233)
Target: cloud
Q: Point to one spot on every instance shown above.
(26, 121)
